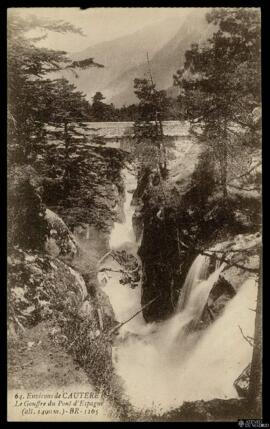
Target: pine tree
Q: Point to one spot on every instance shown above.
(148, 128)
(47, 129)
(220, 87)
(29, 88)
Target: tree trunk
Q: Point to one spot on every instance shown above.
(162, 146)
(67, 166)
(224, 163)
(224, 172)
(255, 385)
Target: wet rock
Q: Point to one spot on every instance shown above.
(241, 384)
(137, 222)
(221, 293)
(241, 251)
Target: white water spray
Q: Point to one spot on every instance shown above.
(167, 363)
(123, 232)
(173, 364)
(125, 301)
(197, 272)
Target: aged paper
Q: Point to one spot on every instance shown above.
(134, 215)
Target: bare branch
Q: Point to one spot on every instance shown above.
(232, 264)
(149, 69)
(118, 271)
(232, 250)
(244, 189)
(247, 337)
(248, 172)
(132, 317)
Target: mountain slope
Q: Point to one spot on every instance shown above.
(164, 62)
(120, 54)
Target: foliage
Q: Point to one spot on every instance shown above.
(93, 185)
(26, 213)
(101, 111)
(31, 95)
(84, 64)
(149, 145)
(47, 129)
(152, 102)
(220, 88)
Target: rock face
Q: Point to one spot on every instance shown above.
(164, 254)
(43, 290)
(221, 293)
(242, 382)
(241, 251)
(137, 222)
(39, 286)
(182, 215)
(59, 242)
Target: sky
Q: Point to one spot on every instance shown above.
(99, 24)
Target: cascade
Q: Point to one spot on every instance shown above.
(196, 290)
(122, 232)
(197, 272)
(125, 301)
(163, 364)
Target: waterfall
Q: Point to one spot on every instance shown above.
(199, 290)
(125, 301)
(198, 271)
(163, 364)
(196, 290)
(123, 232)
(171, 363)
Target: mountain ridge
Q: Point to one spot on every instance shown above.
(164, 62)
(125, 59)
(119, 55)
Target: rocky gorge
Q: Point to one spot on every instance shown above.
(83, 281)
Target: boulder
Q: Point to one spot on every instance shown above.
(39, 287)
(220, 294)
(241, 384)
(241, 251)
(60, 243)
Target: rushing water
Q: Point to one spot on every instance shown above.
(164, 364)
(197, 273)
(161, 370)
(123, 232)
(125, 300)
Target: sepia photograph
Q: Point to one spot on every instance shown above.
(134, 210)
